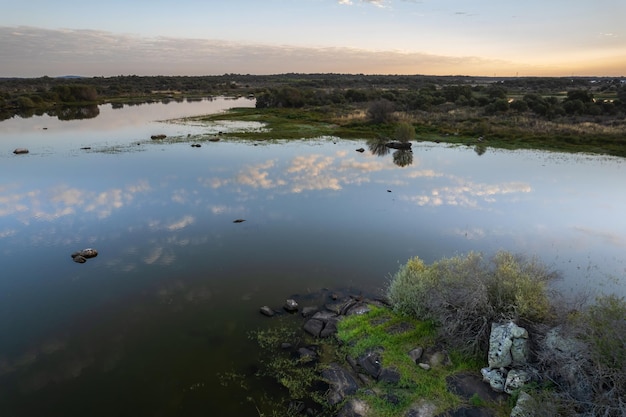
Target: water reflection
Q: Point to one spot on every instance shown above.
(178, 284)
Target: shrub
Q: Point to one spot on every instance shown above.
(404, 132)
(381, 111)
(464, 295)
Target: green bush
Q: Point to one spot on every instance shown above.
(404, 132)
(464, 295)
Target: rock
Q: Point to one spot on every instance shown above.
(370, 362)
(309, 311)
(267, 311)
(416, 353)
(286, 346)
(314, 327)
(239, 221)
(354, 408)
(82, 256)
(515, 380)
(501, 343)
(342, 383)
(389, 376)
(291, 305)
(423, 409)
(196, 145)
(214, 139)
(155, 137)
(20, 151)
(307, 355)
(329, 329)
(424, 366)
(399, 145)
(358, 310)
(469, 384)
(521, 409)
(495, 377)
(469, 412)
(360, 150)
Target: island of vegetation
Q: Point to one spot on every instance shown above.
(569, 114)
(431, 345)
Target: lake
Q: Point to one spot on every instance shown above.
(156, 323)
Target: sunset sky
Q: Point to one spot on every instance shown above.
(200, 37)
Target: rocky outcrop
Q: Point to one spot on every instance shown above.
(507, 358)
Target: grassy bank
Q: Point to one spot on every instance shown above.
(463, 127)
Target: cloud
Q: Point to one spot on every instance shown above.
(468, 194)
(30, 52)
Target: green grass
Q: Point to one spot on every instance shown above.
(361, 333)
(462, 127)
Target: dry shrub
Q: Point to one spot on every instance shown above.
(464, 295)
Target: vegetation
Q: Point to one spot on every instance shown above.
(583, 371)
(575, 114)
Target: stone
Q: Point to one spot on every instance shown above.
(329, 329)
(160, 136)
(309, 311)
(370, 362)
(291, 305)
(307, 355)
(360, 150)
(422, 409)
(342, 383)
(515, 379)
(358, 310)
(521, 409)
(501, 343)
(313, 327)
(495, 377)
(416, 354)
(354, 408)
(399, 145)
(85, 253)
(20, 151)
(389, 376)
(267, 311)
(79, 259)
(424, 366)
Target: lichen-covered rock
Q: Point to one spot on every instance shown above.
(495, 377)
(515, 379)
(508, 343)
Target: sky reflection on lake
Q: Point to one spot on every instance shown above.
(317, 214)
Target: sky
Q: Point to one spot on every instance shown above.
(204, 37)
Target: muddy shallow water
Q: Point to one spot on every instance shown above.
(152, 325)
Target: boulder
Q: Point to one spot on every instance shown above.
(515, 380)
(416, 354)
(267, 311)
(399, 145)
(495, 377)
(342, 383)
(354, 408)
(314, 327)
(291, 305)
(20, 151)
(370, 362)
(508, 345)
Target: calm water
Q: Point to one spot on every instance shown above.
(151, 325)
